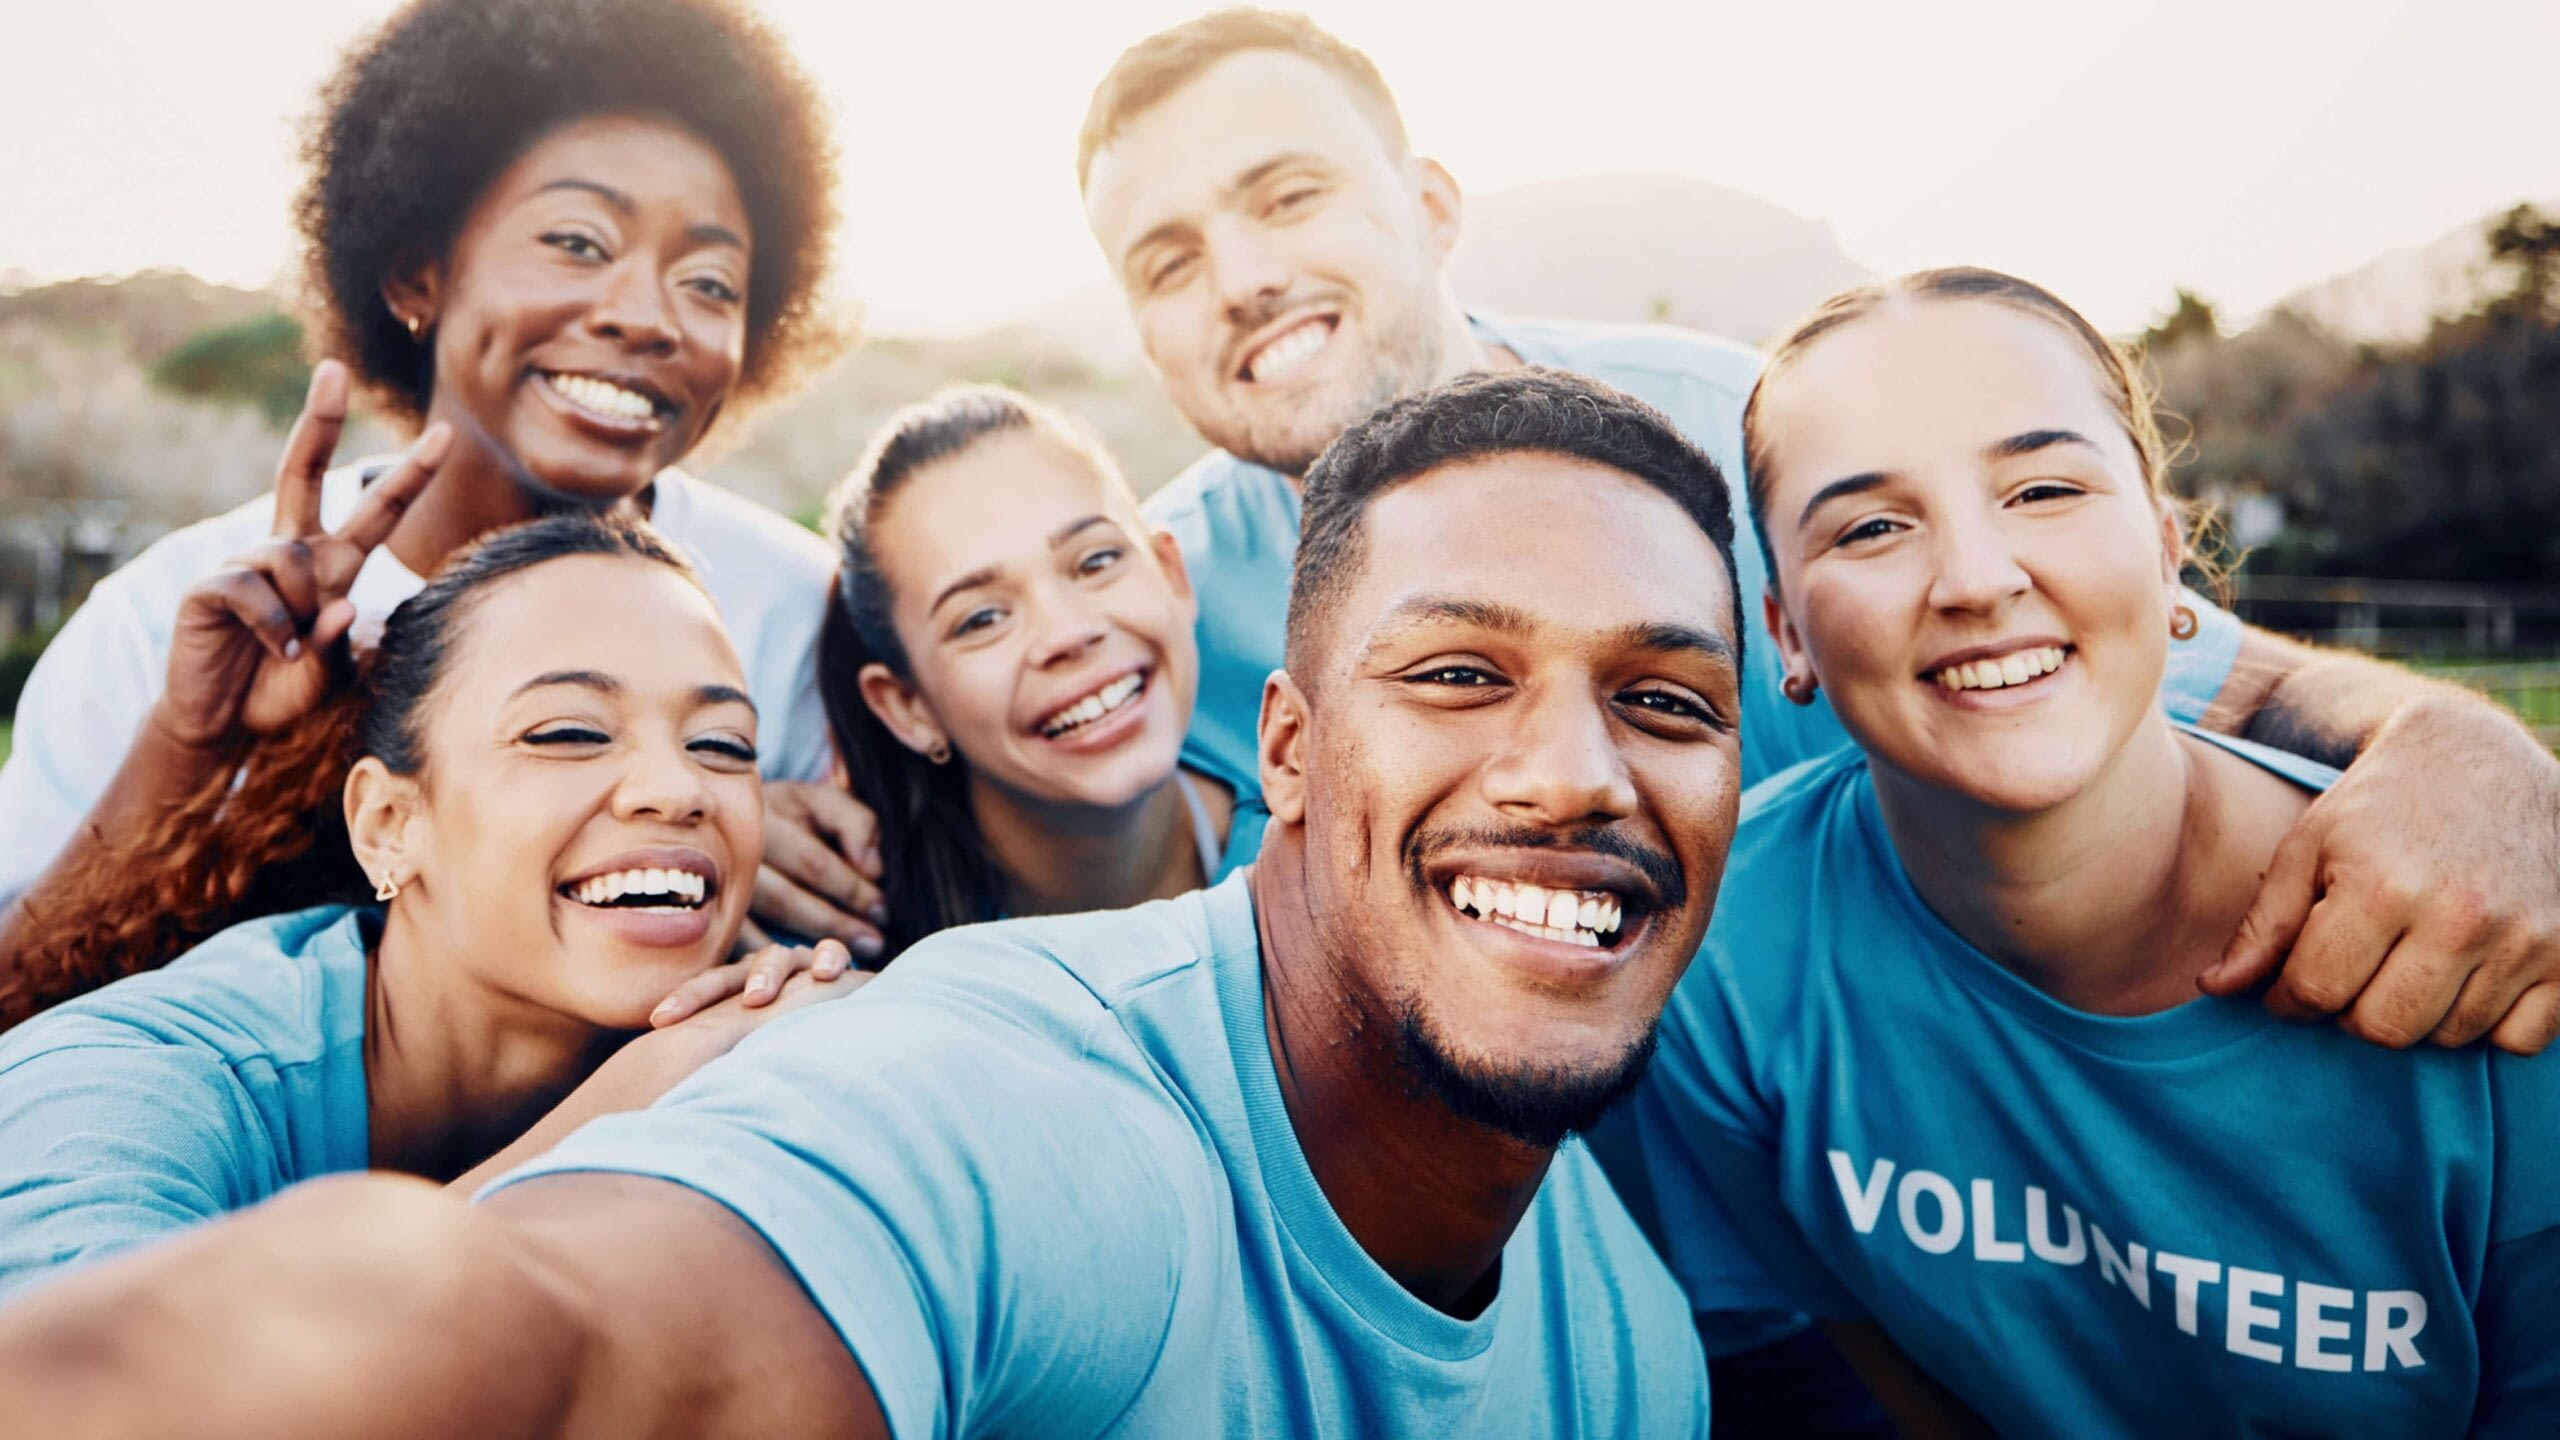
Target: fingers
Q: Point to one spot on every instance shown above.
(307, 450)
(846, 822)
(809, 860)
(2340, 947)
(758, 979)
(2275, 919)
(2532, 1023)
(249, 597)
(782, 904)
(2495, 979)
(389, 497)
(2409, 995)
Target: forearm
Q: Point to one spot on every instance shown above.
(2331, 705)
(357, 1306)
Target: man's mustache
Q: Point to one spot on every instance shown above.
(1667, 888)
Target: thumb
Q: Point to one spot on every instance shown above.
(331, 625)
(2275, 918)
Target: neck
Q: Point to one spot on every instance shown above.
(1432, 1198)
(453, 1071)
(479, 489)
(2112, 902)
(1057, 858)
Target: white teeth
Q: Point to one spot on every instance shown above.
(681, 889)
(604, 397)
(2015, 668)
(1290, 351)
(1573, 916)
(1094, 706)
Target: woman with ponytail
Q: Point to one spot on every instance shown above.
(522, 833)
(1009, 669)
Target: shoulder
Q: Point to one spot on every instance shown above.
(1223, 503)
(1800, 852)
(269, 990)
(1636, 358)
(733, 537)
(1070, 967)
(1805, 807)
(148, 585)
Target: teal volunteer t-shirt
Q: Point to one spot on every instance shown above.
(2204, 1220)
(1237, 524)
(1040, 1179)
(178, 1095)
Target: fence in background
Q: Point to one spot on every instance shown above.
(2501, 640)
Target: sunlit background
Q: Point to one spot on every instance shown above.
(2294, 206)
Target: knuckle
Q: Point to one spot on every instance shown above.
(2321, 994)
(2389, 1031)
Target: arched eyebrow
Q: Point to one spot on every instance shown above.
(701, 232)
(603, 684)
(2025, 442)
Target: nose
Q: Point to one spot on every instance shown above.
(1977, 566)
(632, 308)
(1064, 625)
(1246, 271)
(1563, 765)
(662, 783)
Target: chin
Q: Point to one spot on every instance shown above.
(1536, 1093)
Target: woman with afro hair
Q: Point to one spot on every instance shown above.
(561, 237)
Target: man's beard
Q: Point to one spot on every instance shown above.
(1406, 363)
(1535, 1103)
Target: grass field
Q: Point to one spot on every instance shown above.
(4, 741)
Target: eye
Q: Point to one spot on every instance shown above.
(1291, 199)
(713, 287)
(976, 620)
(1455, 677)
(1871, 528)
(1095, 561)
(1675, 709)
(728, 747)
(566, 735)
(1168, 272)
(584, 246)
(2048, 490)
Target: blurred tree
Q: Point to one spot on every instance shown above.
(2526, 240)
(257, 362)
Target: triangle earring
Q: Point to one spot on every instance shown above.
(386, 889)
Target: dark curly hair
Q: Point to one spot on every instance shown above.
(422, 115)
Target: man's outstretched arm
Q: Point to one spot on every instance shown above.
(573, 1305)
(2420, 897)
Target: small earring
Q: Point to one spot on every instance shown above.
(416, 324)
(1798, 689)
(940, 754)
(2182, 623)
(386, 889)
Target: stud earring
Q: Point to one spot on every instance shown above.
(940, 754)
(2182, 623)
(386, 889)
(416, 324)
(1798, 689)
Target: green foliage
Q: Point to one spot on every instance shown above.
(257, 362)
(2433, 460)
(17, 662)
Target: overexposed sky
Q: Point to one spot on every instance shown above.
(2112, 150)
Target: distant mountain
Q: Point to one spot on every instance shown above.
(1600, 247)
(2395, 297)
(147, 315)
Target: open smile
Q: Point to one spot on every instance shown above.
(656, 896)
(1287, 350)
(623, 406)
(2005, 670)
(1589, 918)
(1101, 715)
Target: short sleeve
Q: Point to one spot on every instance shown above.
(106, 1146)
(994, 1220)
(1694, 1154)
(2199, 664)
(76, 718)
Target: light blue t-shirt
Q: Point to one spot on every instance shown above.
(2200, 1221)
(1040, 1178)
(174, 1096)
(1237, 524)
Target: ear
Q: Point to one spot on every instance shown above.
(414, 288)
(2173, 546)
(1282, 748)
(1177, 573)
(901, 707)
(1783, 630)
(1443, 208)
(386, 820)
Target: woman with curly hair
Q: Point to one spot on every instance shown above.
(536, 814)
(564, 237)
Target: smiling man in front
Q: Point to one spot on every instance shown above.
(1291, 1156)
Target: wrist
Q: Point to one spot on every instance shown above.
(2455, 718)
(175, 737)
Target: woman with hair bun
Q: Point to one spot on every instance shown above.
(564, 237)
(522, 834)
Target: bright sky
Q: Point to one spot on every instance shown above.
(2112, 150)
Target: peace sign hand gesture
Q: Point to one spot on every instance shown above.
(250, 651)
